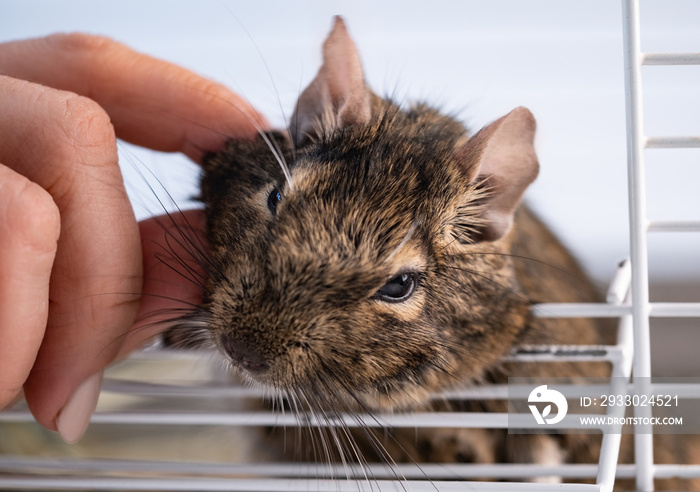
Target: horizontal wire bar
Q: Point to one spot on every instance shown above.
(560, 353)
(674, 309)
(257, 419)
(270, 485)
(306, 470)
(301, 470)
(524, 353)
(682, 142)
(447, 420)
(670, 59)
(603, 310)
(671, 471)
(682, 390)
(522, 390)
(494, 392)
(216, 390)
(674, 226)
(408, 420)
(580, 310)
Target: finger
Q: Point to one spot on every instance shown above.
(29, 228)
(151, 102)
(66, 145)
(174, 269)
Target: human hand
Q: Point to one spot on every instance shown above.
(80, 282)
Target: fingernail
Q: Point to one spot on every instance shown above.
(74, 417)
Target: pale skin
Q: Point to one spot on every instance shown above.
(80, 285)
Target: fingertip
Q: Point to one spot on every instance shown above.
(211, 115)
(73, 419)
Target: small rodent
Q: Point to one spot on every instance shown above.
(374, 255)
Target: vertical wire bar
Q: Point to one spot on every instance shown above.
(643, 443)
(610, 447)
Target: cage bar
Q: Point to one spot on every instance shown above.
(670, 58)
(672, 142)
(643, 443)
(271, 485)
(674, 226)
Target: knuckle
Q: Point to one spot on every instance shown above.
(85, 124)
(74, 141)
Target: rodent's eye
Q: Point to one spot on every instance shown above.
(398, 289)
(273, 199)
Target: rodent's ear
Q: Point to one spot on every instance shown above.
(502, 156)
(338, 97)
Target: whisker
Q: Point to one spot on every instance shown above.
(262, 59)
(403, 242)
(178, 318)
(280, 160)
(320, 429)
(295, 137)
(196, 276)
(534, 260)
(191, 243)
(361, 460)
(163, 259)
(256, 124)
(336, 381)
(552, 266)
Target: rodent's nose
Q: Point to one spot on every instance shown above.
(243, 355)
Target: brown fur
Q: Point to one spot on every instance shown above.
(304, 279)
(377, 190)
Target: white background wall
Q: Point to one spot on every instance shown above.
(562, 59)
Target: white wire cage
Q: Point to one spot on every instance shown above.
(628, 299)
